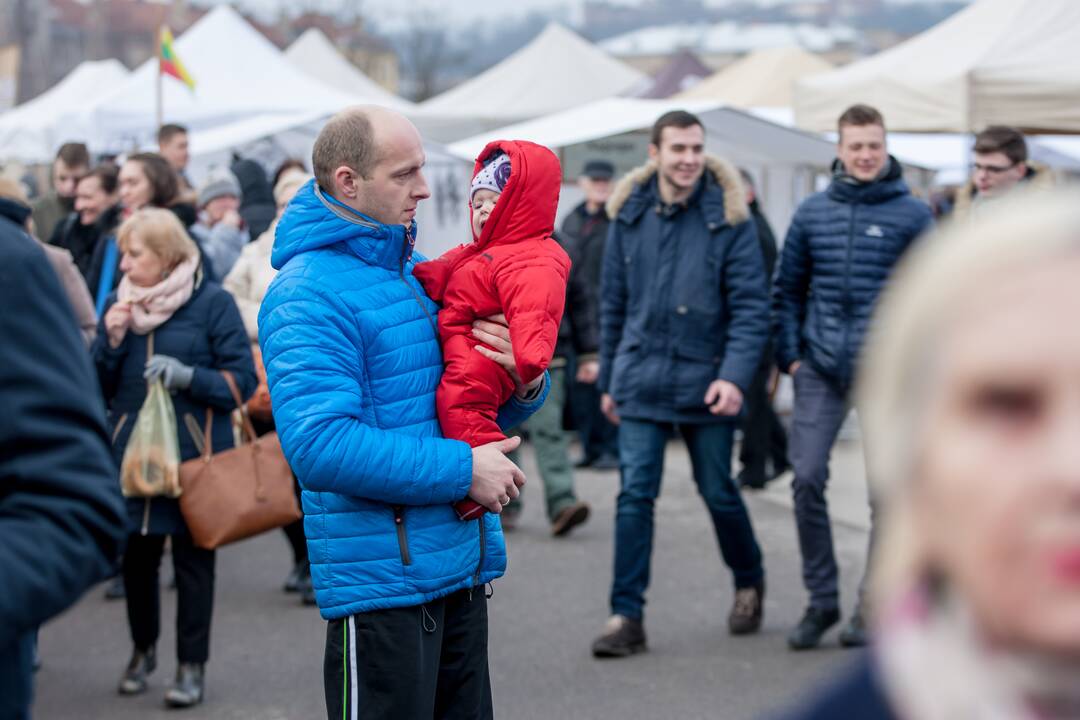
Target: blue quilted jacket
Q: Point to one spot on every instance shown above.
(840, 249)
(352, 359)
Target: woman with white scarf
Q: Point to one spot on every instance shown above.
(167, 321)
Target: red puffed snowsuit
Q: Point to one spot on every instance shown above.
(515, 267)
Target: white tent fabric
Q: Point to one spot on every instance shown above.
(764, 78)
(994, 62)
(238, 74)
(557, 70)
(29, 133)
(783, 160)
(313, 53)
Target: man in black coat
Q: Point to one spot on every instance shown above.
(61, 514)
(585, 230)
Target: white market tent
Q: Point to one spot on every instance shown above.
(784, 161)
(764, 78)
(994, 62)
(557, 70)
(29, 133)
(314, 54)
(238, 73)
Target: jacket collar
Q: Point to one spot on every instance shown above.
(14, 211)
(846, 189)
(720, 194)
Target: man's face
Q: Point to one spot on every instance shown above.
(91, 200)
(995, 174)
(217, 208)
(175, 151)
(861, 149)
(680, 157)
(597, 190)
(397, 183)
(65, 178)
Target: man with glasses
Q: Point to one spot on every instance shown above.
(1001, 163)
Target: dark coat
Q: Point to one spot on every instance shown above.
(206, 333)
(683, 300)
(766, 238)
(840, 251)
(857, 694)
(585, 235)
(86, 243)
(61, 514)
(257, 206)
(577, 331)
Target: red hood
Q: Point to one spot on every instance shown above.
(527, 205)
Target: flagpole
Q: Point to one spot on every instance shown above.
(160, 57)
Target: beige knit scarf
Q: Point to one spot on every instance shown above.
(152, 306)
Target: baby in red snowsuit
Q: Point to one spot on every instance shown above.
(514, 267)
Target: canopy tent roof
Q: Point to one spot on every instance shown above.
(238, 74)
(681, 73)
(764, 78)
(994, 62)
(728, 37)
(313, 53)
(737, 135)
(29, 133)
(557, 70)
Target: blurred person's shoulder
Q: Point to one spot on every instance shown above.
(857, 693)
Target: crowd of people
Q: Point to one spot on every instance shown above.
(679, 311)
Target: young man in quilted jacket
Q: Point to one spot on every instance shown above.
(840, 249)
(352, 359)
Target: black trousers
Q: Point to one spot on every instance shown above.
(194, 594)
(598, 436)
(426, 661)
(764, 436)
(294, 531)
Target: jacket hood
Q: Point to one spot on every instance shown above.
(14, 211)
(845, 188)
(527, 205)
(316, 220)
(1038, 177)
(254, 186)
(719, 173)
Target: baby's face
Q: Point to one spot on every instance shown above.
(483, 202)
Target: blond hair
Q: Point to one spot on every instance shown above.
(915, 313)
(161, 232)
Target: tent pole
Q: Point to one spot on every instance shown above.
(159, 115)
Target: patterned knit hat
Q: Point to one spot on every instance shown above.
(494, 175)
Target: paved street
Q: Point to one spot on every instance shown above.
(266, 656)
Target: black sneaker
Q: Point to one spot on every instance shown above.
(622, 637)
(807, 634)
(133, 681)
(296, 578)
(854, 633)
(115, 590)
(746, 612)
(605, 463)
(189, 688)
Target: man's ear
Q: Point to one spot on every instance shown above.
(346, 182)
(654, 152)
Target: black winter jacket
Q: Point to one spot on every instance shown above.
(61, 514)
(840, 249)
(577, 331)
(206, 333)
(585, 235)
(683, 299)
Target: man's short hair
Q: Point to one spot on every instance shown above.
(74, 154)
(676, 119)
(347, 139)
(860, 116)
(1003, 139)
(168, 131)
(108, 176)
(747, 178)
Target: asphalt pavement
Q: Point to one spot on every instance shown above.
(266, 649)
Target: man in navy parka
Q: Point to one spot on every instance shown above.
(352, 357)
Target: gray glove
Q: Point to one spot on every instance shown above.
(174, 374)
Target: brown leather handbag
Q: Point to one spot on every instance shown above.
(240, 492)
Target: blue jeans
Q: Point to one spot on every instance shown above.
(641, 456)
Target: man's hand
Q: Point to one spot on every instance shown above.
(794, 368)
(495, 480)
(608, 407)
(232, 219)
(723, 398)
(494, 333)
(588, 372)
(117, 322)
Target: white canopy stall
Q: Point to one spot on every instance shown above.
(314, 54)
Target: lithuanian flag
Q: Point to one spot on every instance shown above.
(169, 63)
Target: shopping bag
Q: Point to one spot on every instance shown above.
(151, 463)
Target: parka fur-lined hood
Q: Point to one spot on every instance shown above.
(724, 173)
(1038, 177)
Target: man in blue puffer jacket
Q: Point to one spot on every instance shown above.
(840, 249)
(352, 358)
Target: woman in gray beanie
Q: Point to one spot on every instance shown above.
(220, 231)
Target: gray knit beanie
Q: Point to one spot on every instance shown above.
(219, 181)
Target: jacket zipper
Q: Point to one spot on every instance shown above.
(479, 565)
(402, 537)
(847, 291)
(119, 427)
(406, 252)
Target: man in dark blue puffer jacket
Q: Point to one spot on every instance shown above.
(840, 249)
